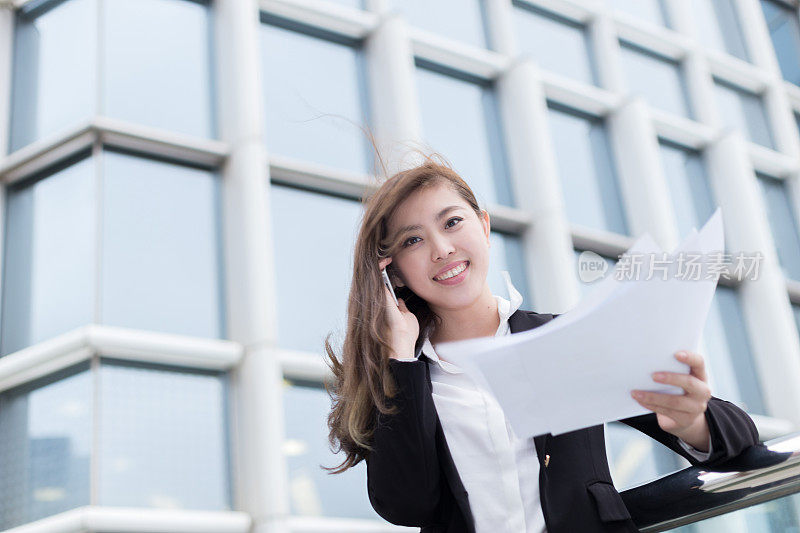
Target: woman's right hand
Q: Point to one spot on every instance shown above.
(403, 323)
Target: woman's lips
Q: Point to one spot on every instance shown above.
(455, 280)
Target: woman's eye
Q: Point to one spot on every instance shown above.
(452, 219)
(447, 225)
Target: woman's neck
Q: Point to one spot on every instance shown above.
(480, 319)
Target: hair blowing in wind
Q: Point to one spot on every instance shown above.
(362, 384)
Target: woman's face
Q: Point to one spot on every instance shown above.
(446, 233)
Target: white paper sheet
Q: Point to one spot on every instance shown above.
(578, 370)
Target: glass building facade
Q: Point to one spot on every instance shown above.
(181, 179)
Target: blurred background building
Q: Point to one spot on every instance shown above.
(180, 194)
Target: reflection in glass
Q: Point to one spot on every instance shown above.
(460, 120)
(774, 516)
(586, 169)
(157, 64)
(313, 239)
(54, 74)
(657, 79)
(652, 11)
(556, 44)
(718, 26)
(49, 268)
(312, 491)
(729, 359)
(784, 29)
(161, 262)
(692, 200)
(314, 98)
(506, 253)
(461, 20)
(162, 438)
(744, 111)
(45, 446)
(783, 224)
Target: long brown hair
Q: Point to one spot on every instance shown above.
(362, 380)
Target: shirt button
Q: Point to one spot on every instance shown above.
(546, 460)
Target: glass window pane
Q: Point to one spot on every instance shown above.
(312, 490)
(586, 169)
(45, 446)
(657, 79)
(157, 64)
(647, 10)
(796, 311)
(635, 458)
(161, 258)
(49, 269)
(163, 438)
(729, 360)
(744, 111)
(556, 44)
(314, 99)
(54, 69)
(689, 189)
(784, 29)
(783, 224)
(460, 121)
(461, 20)
(318, 248)
(506, 253)
(718, 26)
(586, 287)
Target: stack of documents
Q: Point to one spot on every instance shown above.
(578, 370)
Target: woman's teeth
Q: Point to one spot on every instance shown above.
(454, 272)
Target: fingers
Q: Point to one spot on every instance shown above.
(697, 364)
(691, 385)
(673, 402)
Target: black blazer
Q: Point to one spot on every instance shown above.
(412, 480)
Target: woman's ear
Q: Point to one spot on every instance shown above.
(487, 225)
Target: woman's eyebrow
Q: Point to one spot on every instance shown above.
(439, 216)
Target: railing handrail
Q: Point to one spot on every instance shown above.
(761, 473)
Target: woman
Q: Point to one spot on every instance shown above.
(440, 454)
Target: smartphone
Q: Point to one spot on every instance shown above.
(389, 284)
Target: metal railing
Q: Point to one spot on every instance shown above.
(759, 474)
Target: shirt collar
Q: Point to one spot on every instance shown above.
(505, 308)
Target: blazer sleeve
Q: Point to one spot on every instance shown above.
(403, 476)
(731, 429)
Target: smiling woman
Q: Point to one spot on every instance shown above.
(440, 452)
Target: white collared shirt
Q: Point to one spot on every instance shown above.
(499, 471)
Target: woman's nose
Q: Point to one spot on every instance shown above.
(442, 248)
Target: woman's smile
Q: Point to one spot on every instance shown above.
(460, 273)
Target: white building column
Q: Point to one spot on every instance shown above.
(644, 189)
(259, 470)
(547, 242)
(392, 91)
(765, 303)
(500, 26)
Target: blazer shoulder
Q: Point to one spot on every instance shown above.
(523, 319)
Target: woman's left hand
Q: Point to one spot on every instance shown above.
(682, 415)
